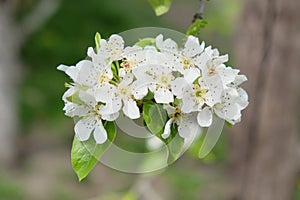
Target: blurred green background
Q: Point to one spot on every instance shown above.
(43, 170)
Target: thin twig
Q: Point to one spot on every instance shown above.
(200, 11)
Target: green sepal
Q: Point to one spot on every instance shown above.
(195, 28)
(146, 42)
(97, 41)
(75, 98)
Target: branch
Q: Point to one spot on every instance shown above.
(42, 11)
(200, 11)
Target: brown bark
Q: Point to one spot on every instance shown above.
(264, 162)
(9, 78)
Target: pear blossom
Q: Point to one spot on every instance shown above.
(185, 59)
(113, 48)
(192, 82)
(186, 122)
(155, 78)
(233, 101)
(91, 119)
(113, 96)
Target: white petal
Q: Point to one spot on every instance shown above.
(87, 74)
(233, 111)
(84, 127)
(63, 68)
(192, 47)
(72, 109)
(243, 98)
(130, 109)
(215, 88)
(127, 79)
(167, 129)
(116, 42)
(122, 72)
(220, 59)
(112, 106)
(230, 112)
(191, 75)
(110, 117)
(188, 127)
(71, 71)
(87, 98)
(204, 117)
(188, 103)
(100, 134)
(139, 89)
(105, 93)
(178, 86)
(201, 60)
(170, 109)
(227, 74)
(167, 45)
(239, 79)
(163, 95)
(70, 92)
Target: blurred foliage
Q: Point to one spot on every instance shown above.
(184, 183)
(10, 190)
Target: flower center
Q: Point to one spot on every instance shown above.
(126, 64)
(96, 111)
(211, 71)
(187, 63)
(164, 80)
(103, 78)
(199, 93)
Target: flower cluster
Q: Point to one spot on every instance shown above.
(191, 82)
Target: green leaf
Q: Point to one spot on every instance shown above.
(85, 155)
(149, 96)
(97, 40)
(175, 144)
(146, 42)
(155, 117)
(160, 6)
(195, 28)
(228, 124)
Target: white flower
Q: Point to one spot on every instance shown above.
(113, 96)
(233, 101)
(187, 123)
(91, 120)
(113, 48)
(182, 60)
(195, 95)
(155, 78)
(72, 109)
(72, 71)
(131, 58)
(91, 75)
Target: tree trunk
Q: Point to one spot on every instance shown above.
(9, 68)
(264, 162)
